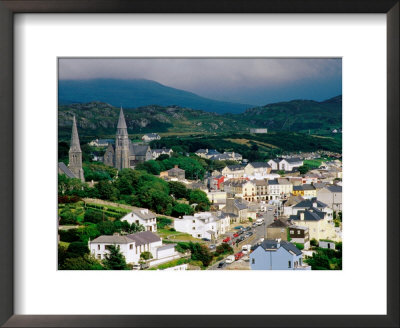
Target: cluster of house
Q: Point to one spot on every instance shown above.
(214, 155)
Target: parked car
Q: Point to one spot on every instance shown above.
(240, 232)
(212, 246)
(236, 235)
(227, 239)
(246, 249)
(240, 239)
(270, 209)
(247, 229)
(205, 239)
(230, 259)
(248, 234)
(254, 225)
(259, 221)
(238, 256)
(238, 227)
(221, 265)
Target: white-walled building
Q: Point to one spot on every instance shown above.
(142, 216)
(131, 246)
(199, 225)
(257, 170)
(288, 164)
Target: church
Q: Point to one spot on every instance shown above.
(125, 154)
(74, 168)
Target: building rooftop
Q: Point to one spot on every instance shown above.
(65, 169)
(258, 165)
(272, 245)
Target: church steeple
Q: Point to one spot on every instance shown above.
(121, 121)
(122, 143)
(75, 153)
(75, 146)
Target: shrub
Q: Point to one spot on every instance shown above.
(162, 222)
(313, 242)
(93, 216)
(224, 248)
(172, 229)
(69, 236)
(299, 246)
(146, 256)
(250, 219)
(77, 249)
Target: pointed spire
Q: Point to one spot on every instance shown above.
(75, 146)
(121, 120)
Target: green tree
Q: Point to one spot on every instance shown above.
(180, 209)
(162, 222)
(114, 260)
(177, 189)
(224, 248)
(136, 228)
(93, 216)
(81, 263)
(106, 228)
(67, 217)
(201, 253)
(200, 198)
(107, 191)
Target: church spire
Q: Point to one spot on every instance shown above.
(75, 153)
(121, 120)
(75, 146)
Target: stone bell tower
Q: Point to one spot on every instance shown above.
(75, 154)
(121, 144)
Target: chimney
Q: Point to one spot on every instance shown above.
(302, 216)
(278, 243)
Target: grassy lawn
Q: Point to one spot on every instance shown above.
(313, 162)
(176, 235)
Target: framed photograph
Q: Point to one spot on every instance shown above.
(184, 165)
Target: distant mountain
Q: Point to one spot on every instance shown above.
(98, 119)
(138, 93)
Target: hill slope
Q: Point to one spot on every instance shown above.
(137, 93)
(98, 119)
(297, 115)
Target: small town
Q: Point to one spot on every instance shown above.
(125, 205)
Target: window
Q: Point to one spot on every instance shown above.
(291, 232)
(289, 264)
(98, 247)
(298, 232)
(194, 228)
(131, 246)
(194, 221)
(253, 261)
(198, 236)
(99, 256)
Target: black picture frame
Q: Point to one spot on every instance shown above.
(10, 7)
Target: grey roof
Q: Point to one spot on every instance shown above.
(121, 120)
(162, 150)
(334, 188)
(293, 160)
(258, 165)
(220, 157)
(239, 205)
(283, 181)
(235, 167)
(262, 182)
(201, 151)
(113, 239)
(176, 170)
(144, 237)
(166, 246)
(144, 216)
(74, 146)
(66, 170)
(276, 160)
(269, 245)
(273, 182)
(311, 214)
(213, 152)
(138, 150)
(307, 203)
(319, 185)
(152, 135)
(308, 187)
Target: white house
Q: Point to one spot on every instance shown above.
(142, 216)
(151, 137)
(131, 246)
(156, 153)
(233, 171)
(274, 163)
(257, 170)
(332, 196)
(288, 164)
(199, 225)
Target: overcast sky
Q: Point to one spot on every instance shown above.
(249, 81)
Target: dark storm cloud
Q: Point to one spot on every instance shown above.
(255, 81)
